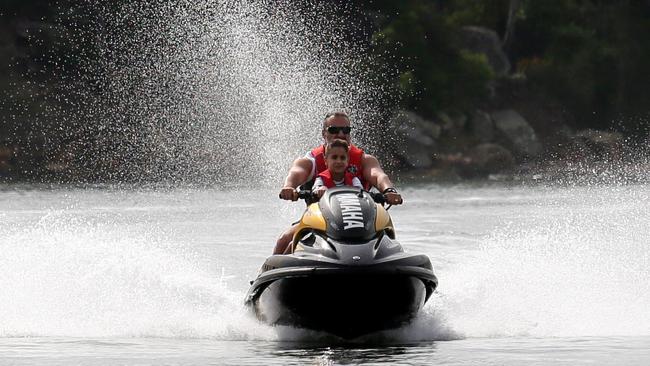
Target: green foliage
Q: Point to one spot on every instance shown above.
(593, 56)
(492, 14)
(37, 52)
(437, 74)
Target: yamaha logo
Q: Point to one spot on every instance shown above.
(351, 211)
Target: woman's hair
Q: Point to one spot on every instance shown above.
(337, 143)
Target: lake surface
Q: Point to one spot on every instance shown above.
(533, 275)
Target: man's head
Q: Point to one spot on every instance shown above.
(336, 126)
(336, 156)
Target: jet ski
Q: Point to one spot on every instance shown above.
(346, 274)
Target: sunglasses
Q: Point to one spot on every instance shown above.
(334, 130)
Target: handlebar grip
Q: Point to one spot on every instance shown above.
(378, 197)
(305, 194)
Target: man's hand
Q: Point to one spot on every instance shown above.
(393, 198)
(289, 194)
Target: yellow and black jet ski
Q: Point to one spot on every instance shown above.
(346, 274)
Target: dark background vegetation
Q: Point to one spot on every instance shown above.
(591, 56)
(576, 64)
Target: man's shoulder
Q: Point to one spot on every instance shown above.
(316, 154)
(317, 150)
(368, 159)
(304, 161)
(312, 153)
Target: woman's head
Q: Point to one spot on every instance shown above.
(336, 156)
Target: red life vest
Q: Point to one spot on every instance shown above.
(355, 162)
(326, 176)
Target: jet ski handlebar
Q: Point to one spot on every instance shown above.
(378, 197)
(309, 195)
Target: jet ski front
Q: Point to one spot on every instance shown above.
(347, 275)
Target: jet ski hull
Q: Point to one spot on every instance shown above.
(347, 302)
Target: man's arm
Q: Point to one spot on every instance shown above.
(298, 174)
(375, 175)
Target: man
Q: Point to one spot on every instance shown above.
(362, 165)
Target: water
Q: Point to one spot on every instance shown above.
(528, 274)
(167, 90)
(180, 92)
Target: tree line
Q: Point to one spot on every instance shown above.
(588, 57)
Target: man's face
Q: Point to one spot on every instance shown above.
(336, 122)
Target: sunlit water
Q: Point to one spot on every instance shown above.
(528, 275)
